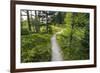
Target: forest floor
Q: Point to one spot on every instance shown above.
(56, 50)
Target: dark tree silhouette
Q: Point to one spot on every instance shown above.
(28, 19)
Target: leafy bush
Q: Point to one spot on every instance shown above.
(24, 31)
(75, 50)
(74, 40)
(36, 48)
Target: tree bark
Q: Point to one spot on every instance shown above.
(28, 19)
(72, 30)
(47, 22)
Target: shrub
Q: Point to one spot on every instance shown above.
(36, 48)
(24, 31)
(75, 50)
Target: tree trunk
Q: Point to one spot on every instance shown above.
(47, 22)
(21, 18)
(72, 30)
(36, 30)
(28, 19)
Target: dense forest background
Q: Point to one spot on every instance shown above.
(37, 28)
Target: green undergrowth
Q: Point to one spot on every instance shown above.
(36, 48)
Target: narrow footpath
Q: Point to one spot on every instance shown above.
(56, 51)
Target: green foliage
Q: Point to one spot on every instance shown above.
(56, 29)
(36, 48)
(24, 28)
(24, 32)
(59, 18)
(77, 46)
(71, 28)
(24, 24)
(75, 51)
(81, 20)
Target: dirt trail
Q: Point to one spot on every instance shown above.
(56, 55)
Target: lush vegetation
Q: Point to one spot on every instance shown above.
(74, 40)
(36, 48)
(37, 28)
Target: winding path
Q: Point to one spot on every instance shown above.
(56, 55)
